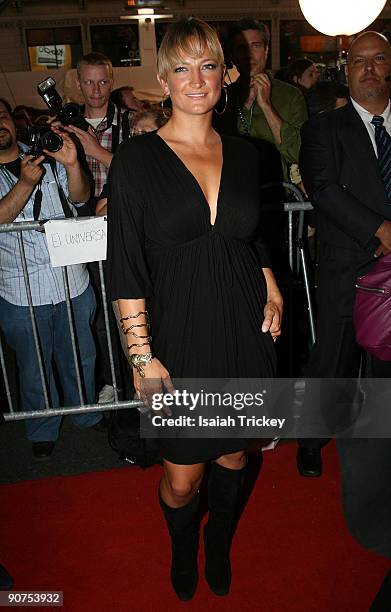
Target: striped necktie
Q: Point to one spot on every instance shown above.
(383, 144)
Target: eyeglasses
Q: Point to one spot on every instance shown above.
(359, 60)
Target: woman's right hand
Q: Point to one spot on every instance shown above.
(156, 381)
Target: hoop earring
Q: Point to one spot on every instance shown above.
(224, 88)
(163, 109)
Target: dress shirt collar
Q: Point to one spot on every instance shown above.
(367, 117)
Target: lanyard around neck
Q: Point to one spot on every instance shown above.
(11, 180)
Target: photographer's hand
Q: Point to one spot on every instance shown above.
(30, 174)
(91, 145)
(67, 155)
(31, 171)
(78, 183)
(54, 122)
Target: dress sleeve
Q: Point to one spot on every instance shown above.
(127, 269)
(263, 252)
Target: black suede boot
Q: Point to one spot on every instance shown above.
(183, 530)
(224, 490)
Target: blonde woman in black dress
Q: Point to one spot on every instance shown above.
(183, 238)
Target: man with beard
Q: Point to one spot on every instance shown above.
(270, 114)
(259, 106)
(31, 189)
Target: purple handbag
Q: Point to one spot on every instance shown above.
(372, 309)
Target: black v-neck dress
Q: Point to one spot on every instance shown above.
(205, 281)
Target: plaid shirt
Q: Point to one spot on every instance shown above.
(104, 135)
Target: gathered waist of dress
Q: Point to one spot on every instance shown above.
(204, 238)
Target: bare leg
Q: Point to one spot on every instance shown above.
(180, 483)
(233, 461)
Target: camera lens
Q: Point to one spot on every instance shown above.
(51, 142)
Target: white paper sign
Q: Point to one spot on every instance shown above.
(79, 240)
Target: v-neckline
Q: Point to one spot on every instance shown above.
(206, 202)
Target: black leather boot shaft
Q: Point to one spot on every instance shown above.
(183, 531)
(224, 491)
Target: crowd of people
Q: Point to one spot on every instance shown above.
(188, 260)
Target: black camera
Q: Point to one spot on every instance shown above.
(68, 114)
(38, 138)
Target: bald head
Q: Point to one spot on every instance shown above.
(369, 34)
(369, 65)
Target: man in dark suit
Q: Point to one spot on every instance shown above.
(341, 172)
(345, 163)
(346, 168)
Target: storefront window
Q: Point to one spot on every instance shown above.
(120, 43)
(52, 48)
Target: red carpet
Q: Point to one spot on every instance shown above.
(100, 538)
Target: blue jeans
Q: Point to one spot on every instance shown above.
(55, 341)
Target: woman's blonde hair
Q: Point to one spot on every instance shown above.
(187, 37)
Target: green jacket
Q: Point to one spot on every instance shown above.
(289, 103)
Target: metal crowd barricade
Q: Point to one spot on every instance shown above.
(295, 244)
(297, 264)
(14, 415)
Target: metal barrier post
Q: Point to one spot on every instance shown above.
(72, 334)
(107, 325)
(33, 322)
(5, 377)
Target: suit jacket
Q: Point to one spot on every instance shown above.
(342, 177)
(341, 174)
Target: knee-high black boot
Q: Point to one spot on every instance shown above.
(224, 490)
(183, 530)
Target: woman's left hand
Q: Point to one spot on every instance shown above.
(273, 307)
(273, 317)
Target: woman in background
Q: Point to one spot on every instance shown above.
(302, 72)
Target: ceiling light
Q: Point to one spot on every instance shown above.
(146, 13)
(341, 17)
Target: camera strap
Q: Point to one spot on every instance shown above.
(37, 200)
(68, 212)
(121, 130)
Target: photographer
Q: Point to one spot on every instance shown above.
(43, 188)
(109, 125)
